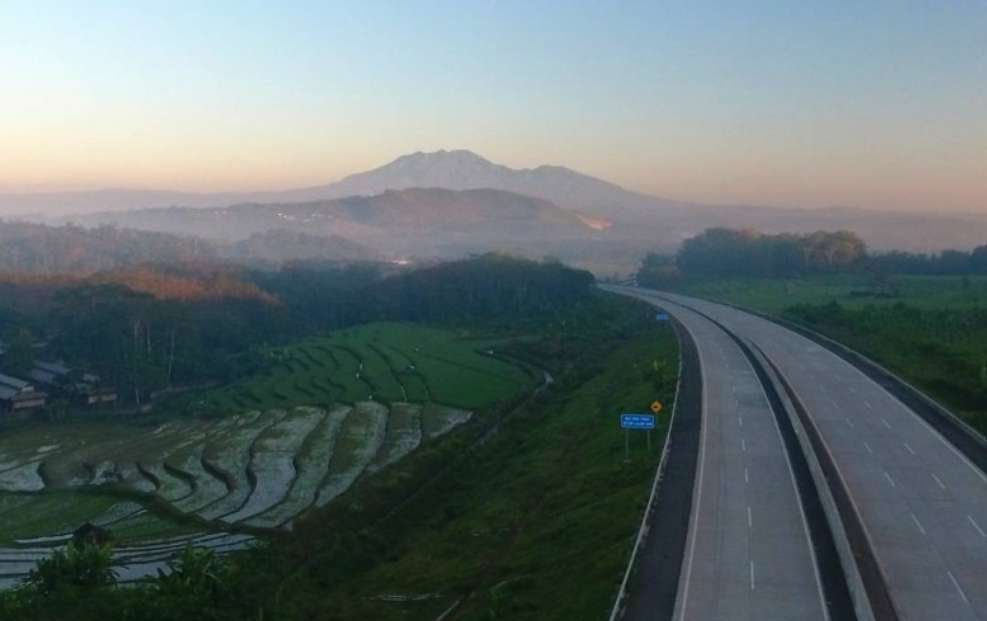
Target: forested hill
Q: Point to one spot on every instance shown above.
(145, 330)
(721, 252)
(491, 285)
(41, 250)
(27, 248)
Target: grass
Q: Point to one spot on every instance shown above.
(536, 522)
(932, 330)
(52, 513)
(243, 465)
(854, 291)
(552, 473)
(388, 361)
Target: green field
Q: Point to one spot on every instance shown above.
(528, 510)
(536, 524)
(774, 295)
(386, 362)
(932, 330)
(262, 452)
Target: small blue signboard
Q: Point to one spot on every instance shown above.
(662, 316)
(637, 421)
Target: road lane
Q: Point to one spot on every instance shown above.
(748, 553)
(921, 501)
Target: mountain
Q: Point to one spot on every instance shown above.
(396, 222)
(463, 170)
(613, 222)
(451, 170)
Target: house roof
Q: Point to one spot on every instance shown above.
(55, 368)
(10, 387)
(42, 376)
(13, 382)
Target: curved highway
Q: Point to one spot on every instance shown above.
(748, 554)
(923, 505)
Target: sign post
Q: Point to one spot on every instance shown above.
(655, 407)
(634, 420)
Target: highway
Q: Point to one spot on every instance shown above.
(923, 505)
(748, 554)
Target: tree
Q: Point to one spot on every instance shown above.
(978, 260)
(18, 359)
(731, 252)
(78, 566)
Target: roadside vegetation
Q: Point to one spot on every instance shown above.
(527, 510)
(924, 316)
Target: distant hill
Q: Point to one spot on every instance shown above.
(463, 170)
(27, 248)
(451, 170)
(412, 221)
(30, 249)
(615, 225)
(282, 246)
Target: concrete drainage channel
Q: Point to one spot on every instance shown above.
(854, 585)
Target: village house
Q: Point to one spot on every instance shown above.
(84, 389)
(18, 396)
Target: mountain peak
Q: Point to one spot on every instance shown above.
(439, 158)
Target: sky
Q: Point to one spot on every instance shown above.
(870, 104)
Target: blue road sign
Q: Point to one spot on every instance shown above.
(662, 316)
(637, 421)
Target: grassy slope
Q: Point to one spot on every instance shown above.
(430, 364)
(531, 519)
(933, 332)
(774, 295)
(536, 523)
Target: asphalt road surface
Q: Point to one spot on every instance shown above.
(748, 553)
(922, 503)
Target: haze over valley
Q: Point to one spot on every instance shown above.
(447, 204)
(493, 311)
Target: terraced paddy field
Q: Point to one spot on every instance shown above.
(275, 446)
(386, 362)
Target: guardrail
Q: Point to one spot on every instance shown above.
(617, 611)
(828, 501)
(967, 440)
(854, 544)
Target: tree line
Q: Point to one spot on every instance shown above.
(722, 252)
(141, 343)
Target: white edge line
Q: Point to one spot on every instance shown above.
(839, 473)
(921, 394)
(622, 592)
(805, 524)
(881, 388)
(798, 499)
(681, 600)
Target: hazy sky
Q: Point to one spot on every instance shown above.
(879, 104)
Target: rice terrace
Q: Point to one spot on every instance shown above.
(258, 454)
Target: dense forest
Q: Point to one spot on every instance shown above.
(947, 262)
(27, 248)
(152, 328)
(30, 249)
(721, 252)
(726, 252)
